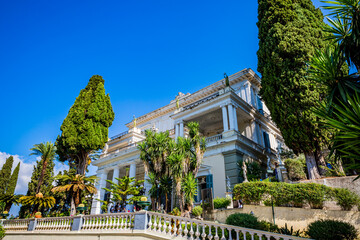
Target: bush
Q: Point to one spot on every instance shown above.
(331, 229)
(197, 211)
(267, 226)
(2, 232)
(345, 198)
(295, 169)
(221, 202)
(294, 195)
(243, 220)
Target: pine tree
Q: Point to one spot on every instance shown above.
(289, 33)
(85, 128)
(45, 187)
(5, 174)
(10, 190)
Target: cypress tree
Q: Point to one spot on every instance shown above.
(5, 174)
(85, 128)
(289, 33)
(10, 190)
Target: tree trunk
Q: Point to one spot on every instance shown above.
(166, 202)
(82, 163)
(41, 178)
(311, 165)
(321, 163)
(73, 208)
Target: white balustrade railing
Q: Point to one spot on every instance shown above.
(179, 227)
(161, 225)
(113, 221)
(16, 225)
(214, 138)
(54, 224)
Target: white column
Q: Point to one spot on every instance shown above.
(181, 134)
(115, 175)
(231, 116)
(96, 205)
(225, 118)
(253, 130)
(132, 171)
(177, 130)
(235, 120)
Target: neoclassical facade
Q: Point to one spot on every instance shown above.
(236, 123)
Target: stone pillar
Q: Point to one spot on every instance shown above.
(235, 120)
(96, 205)
(181, 129)
(231, 116)
(225, 118)
(115, 175)
(254, 131)
(177, 130)
(132, 173)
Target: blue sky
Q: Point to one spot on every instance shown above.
(147, 52)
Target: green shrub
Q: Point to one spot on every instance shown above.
(345, 198)
(267, 226)
(295, 169)
(197, 211)
(221, 202)
(283, 194)
(250, 192)
(2, 232)
(243, 220)
(331, 230)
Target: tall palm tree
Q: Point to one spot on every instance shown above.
(189, 187)
(47, 151)
(153, 191)
(75, 184)
(166, 188)
(198, 144)
(176, 161)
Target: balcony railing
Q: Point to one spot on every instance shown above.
(119, 135)
(192, 105)
(214, 138)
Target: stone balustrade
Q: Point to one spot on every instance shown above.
(112, 221)
(54, 224)
(153, 224)
(16, 225)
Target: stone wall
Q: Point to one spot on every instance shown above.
(299, 218)
(338, 182)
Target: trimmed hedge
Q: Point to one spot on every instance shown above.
(221, 202)
(294, 195)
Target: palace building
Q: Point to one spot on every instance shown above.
(235, 122)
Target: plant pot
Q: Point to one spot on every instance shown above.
(37, 216)
(81, 209)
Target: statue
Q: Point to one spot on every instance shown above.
(134, 120)
(228, 184)
(245, 172)
(177, 103)
(227, 83)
